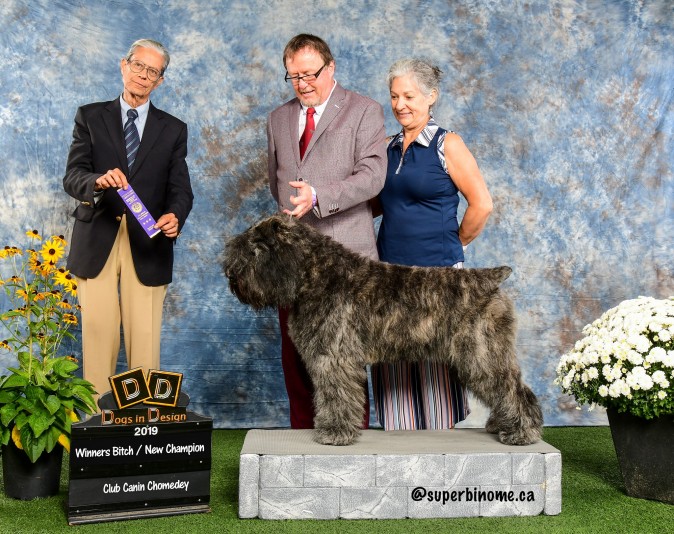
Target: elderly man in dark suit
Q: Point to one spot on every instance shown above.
(122, 273)
(327, 158)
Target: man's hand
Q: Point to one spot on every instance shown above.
(168, 224)
(112, 178)
(303, 202)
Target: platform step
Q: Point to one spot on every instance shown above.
(284, 474)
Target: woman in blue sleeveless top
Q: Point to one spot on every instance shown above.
(427, 169)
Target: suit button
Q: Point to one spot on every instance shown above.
(118, 218)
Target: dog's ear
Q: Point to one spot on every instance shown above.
(267, 231)
(278, 223)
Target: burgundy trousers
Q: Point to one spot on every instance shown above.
(298, 383)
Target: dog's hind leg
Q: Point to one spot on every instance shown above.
(515, 412)
(484, 356)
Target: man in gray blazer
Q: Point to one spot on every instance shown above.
(327, 158)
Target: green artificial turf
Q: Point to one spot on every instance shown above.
(593, 500)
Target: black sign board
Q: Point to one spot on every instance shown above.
(141, 468)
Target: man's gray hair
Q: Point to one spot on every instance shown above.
(424, 72)
(155, 45)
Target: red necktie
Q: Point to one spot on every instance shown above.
(308, 132)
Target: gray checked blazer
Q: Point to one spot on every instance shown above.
(345, 163)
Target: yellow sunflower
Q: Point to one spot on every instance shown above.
(71, 287)
(4, 344)
(62, 276)
(34, 264)
(47, 267)
(60, 239)
(52, 251)
(34, 234)
(69, 318)
(64, 304)
(8, 252)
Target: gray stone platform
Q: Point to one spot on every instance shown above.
(284, 474)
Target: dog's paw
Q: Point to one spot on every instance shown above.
(334, 438)
(519, 437)
(492, 426)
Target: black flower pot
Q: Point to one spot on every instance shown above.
(25, 480)
(645, 454)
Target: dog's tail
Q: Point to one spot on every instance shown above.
(491, 278)
(500, 274)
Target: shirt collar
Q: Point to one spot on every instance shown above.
(425, 136)
(142, 110)
(321, 107)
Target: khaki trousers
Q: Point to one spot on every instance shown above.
(116, 296)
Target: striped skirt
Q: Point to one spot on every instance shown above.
(418, 396)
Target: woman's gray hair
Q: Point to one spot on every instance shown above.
(155, 45)
(424, 72)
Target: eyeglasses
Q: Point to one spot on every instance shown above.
(138, 67)
(307, 78)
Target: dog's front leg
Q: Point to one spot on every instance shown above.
(339, 383)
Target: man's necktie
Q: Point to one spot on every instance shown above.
(131, 138)
(309, 128)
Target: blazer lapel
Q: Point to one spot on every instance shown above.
(294, 126)
(113, 123)
(335, 105)
(153, 127)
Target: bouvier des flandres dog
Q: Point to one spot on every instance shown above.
(347, 311)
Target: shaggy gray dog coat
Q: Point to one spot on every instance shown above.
(347, 311)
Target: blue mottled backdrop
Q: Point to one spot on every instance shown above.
(567, 106)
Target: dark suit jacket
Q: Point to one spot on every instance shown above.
(160, 178)
(345, 162)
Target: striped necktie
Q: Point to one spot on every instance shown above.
(131, 138)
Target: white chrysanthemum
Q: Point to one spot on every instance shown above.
(603, 390)
(641, 343)
(635, 358)
(618, 388)
(633, 380)
(660, 378)
(664, 335)
(668, 359)
(662, 395)
(645, 382)
(655, 326)
(656, 354)
(606, 372)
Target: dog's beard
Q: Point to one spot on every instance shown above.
(242, 292)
